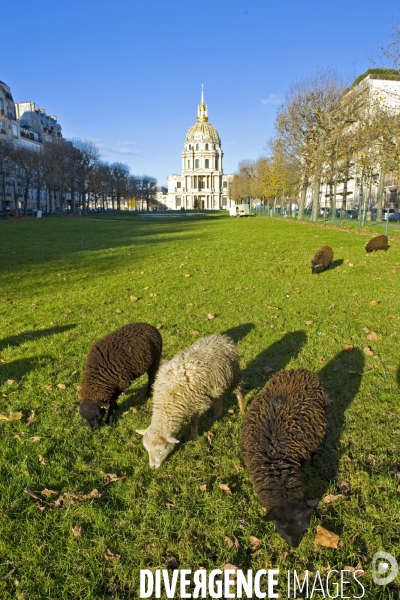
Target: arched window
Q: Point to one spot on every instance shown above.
(207, 163)
(190, 146)
(197, 146)
(197, 163)
(206, 146)
(188, 164)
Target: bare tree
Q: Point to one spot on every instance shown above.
(86, 161)
(26, 161)
(304, 124)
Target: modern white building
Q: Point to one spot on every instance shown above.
(202, 183)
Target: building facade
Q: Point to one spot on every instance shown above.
(202, 183)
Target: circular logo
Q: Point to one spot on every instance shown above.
(381, 563)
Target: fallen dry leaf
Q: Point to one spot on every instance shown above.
(348, 347)
(31, 418)
(331, 306)
(344, 487)
(326, 538)
(331, 498)
(368, 351)
(159, 326)
(118, 310)
(366, 329)
(374, 302)
(203, 487)
(233, 576)
(133, 298)
(194, 332)
(48, 387)
(78, 531)
(61, 386)
(210, 316)
(230, 543)
(108, 555)
(111, 477)
(147, 287)
(309, 322)
(225, 488)
(42, 460)
(372, 336)
(187, 274)
(47, 493)
(10, 381)
(67, 499)
(171, 562)
(350, 572)
(35, 438)
(254, 542)
(346, 261)
(133, 409)
(33, 494)
(153, 295)
(11, 416)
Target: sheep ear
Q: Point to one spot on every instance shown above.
(172, 440)
(271, 515)
(141, 431)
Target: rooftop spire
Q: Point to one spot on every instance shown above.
(202, 116)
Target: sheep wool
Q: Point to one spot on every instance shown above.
(113, 363)
(188, 385)
(322, 259)
(282, 429)
(380, 242)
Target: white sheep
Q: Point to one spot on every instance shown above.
(188, 385)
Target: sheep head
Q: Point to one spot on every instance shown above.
(157, 446)
(93, 412)
(316, 268)
(291, 521)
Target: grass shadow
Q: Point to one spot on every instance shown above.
(16, 340)
(341, 378)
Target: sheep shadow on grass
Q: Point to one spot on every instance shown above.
(341, 378)
(335, 263)
(16, 340)
(16, 369)
(273, 359)
(239, 332)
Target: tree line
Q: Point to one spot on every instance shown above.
(326, 134)
(70, 167)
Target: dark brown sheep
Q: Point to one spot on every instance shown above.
(380, 242)
(282, 429)
(322, 259)
(113, 363)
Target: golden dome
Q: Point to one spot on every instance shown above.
(202, 131)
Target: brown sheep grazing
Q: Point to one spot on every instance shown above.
(113, 363)
(282, 429)
(380, 242)
(322, 259)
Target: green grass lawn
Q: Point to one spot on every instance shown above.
(67, 282)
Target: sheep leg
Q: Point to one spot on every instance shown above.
(218, 408)
(152, 372)
(240, 399)
(194, 432)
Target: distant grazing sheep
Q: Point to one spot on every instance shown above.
(282, 429)
(113, 363)
(380, 242)
(322, 259)
(186, 386)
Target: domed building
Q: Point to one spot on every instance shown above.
(202, 183)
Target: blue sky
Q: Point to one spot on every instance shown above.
(128, 74)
